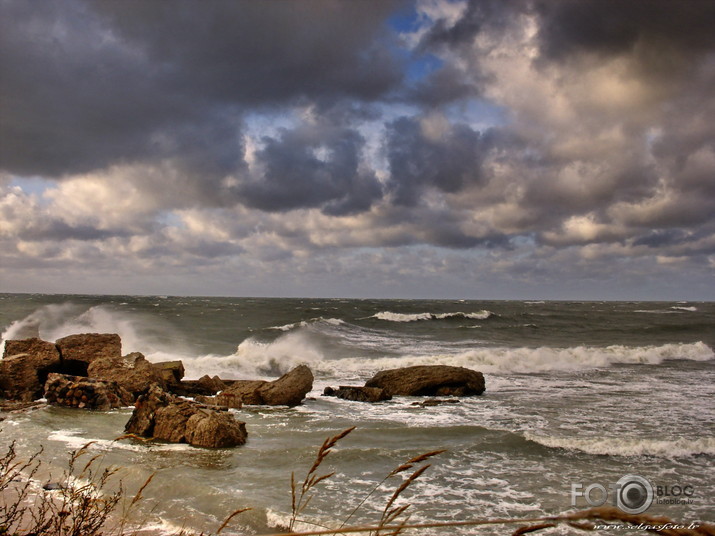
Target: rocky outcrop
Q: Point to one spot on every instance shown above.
(358, 394)
(160, 415)
(87, 347)
(133, 372)
(172, 371)
(25, 366)
(288, 390)
(430, 380)
(80, 392)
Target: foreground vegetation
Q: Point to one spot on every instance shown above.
(90, 501)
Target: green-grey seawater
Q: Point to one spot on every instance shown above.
(578, 393)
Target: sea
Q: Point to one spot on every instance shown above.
(580, 396)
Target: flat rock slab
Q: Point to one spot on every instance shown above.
(358, 394)
(429, 380)
(87, 347)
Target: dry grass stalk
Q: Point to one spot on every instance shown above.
(299, 501)
(229, 518)
(409, 464)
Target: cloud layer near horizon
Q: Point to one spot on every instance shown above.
(434, 148)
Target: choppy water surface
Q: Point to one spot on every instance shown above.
(577, 393)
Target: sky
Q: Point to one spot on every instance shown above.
(484, 149)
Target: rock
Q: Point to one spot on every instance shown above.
(133, 372)
(358, 394)
(80, 392)
(431, 380)
(225, 400)
(211, 386)
(245, 391)
(288, 390)
(87, 347)
(430, 402)
(25, 366)
(160, 415)
(172, 371)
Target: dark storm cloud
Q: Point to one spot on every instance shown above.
(88, 84)
(613, 27)
(443, 86)
(447, 161)
(479, 14)
(312, 167)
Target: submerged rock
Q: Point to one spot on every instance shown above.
(160, 415)
(430, 402)
(429, 380)
(85, 393)
(25, 366)
(358, 394)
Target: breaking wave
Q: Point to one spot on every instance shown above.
(254, 358)
(416, 317)
(306, 323)
(612, 446)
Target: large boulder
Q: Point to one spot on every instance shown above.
(243, 392)
(80, 392)
(133, 372)
(288, 390)
(87, 347)
(429, 380)
(25, 366)
(160, 415)
(358, 394)
(171, 371)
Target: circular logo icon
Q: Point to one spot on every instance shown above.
(634, 494)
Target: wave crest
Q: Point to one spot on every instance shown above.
(629, 446)
(389, 316)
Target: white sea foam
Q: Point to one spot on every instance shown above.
(73, 438)
(525, 360)
(55, 321)
(626, 446)
(268, 360)
(306, 323)
(260, 360)
(671, 310)
(389, 316)
(681, 308)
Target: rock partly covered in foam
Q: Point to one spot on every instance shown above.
(358, 394)
(160, 415)
(429, 380)
(80, 392)
(25, 366)
(288, 390)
